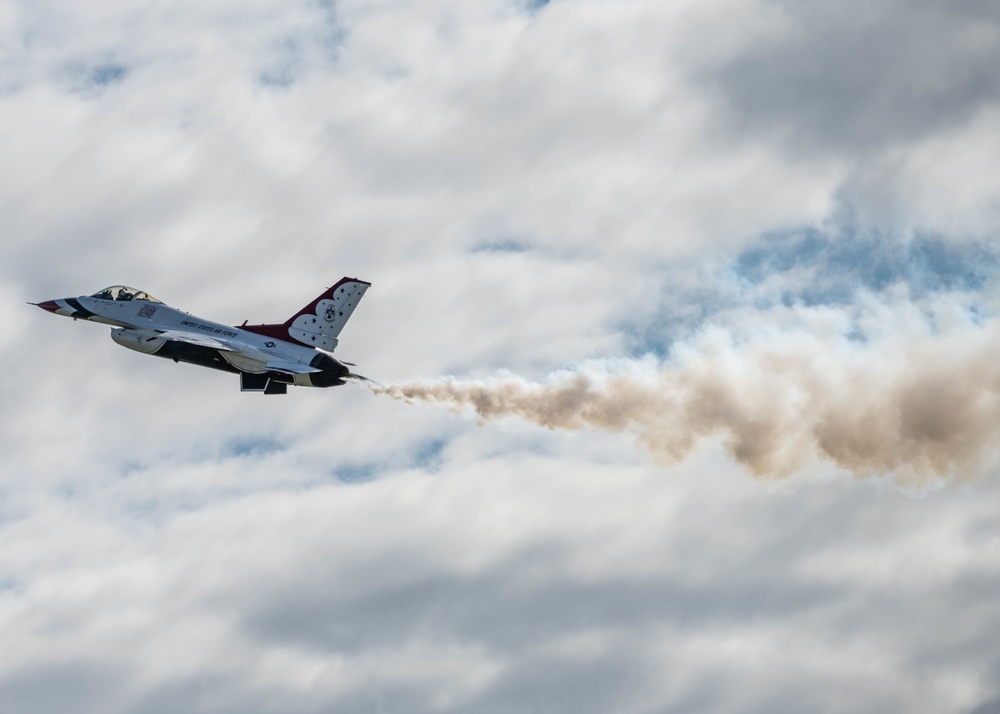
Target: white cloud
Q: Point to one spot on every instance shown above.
(527, 190)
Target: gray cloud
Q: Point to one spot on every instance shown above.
(528, 188)
(302, 608)
(515, 608)
(54, 686)
(862, 76)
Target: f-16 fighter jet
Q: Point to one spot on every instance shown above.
(267, 357)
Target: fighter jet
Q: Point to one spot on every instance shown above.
(267, 357)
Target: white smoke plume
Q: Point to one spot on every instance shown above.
(913, 405)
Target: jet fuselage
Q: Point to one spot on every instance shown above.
(266, 356)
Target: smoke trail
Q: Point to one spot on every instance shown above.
(916, 406)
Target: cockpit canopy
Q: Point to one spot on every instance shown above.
(123, 293)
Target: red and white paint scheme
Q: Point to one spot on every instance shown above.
(267, 357)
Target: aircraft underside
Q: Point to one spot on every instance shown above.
(333, 373)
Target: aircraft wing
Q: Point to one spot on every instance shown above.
(270, 363)
(194, 339)
(290, 367)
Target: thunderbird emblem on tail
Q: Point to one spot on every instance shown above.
(267, 357)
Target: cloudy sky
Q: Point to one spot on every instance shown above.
(727, 270)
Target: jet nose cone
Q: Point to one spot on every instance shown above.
(50, 305)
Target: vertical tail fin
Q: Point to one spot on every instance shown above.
(319, 323)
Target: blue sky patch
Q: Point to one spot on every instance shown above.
(428, 454)
(254, 447)
(501, 245)
(355, 473)
(812, 268)
(279, 77)
(425, 456)
(838, 266)
(108, 74)
(283, 69)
